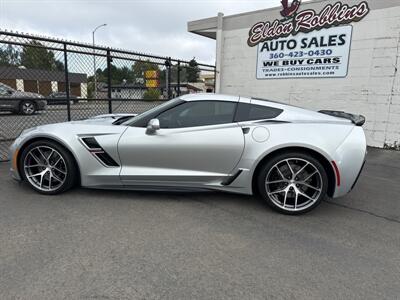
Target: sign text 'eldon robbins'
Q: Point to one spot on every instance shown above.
(306, 44)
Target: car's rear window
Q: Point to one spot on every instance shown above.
(252, 112)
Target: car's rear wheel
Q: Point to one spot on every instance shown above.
(27, 107)
(48, 167)
(293, 183)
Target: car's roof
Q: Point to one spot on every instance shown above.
(209, 96)
(224, 97)
(290, 112)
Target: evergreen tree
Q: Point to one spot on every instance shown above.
(9, 56)
(140, 67)
(36, 56)
(193, 71)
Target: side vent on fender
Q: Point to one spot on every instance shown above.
(93, 146)
(91, 143)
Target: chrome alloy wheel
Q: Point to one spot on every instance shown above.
(294, 184)
(28, 108)
(45, 168)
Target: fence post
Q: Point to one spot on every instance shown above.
(67, 82)
(109, 95)
(179, 78)
(215, 78)
(170, 78)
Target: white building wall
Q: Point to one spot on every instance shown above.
(372, 87)
(20, 84)
(84, 92)
(54, 86)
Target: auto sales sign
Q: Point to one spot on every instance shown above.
(306, 44)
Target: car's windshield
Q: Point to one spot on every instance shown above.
(6, 87)
(142, 119)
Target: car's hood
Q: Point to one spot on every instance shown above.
(108, 119)
(103, 124)
(19, 94)
(72, 129)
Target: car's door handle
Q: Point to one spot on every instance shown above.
(246, 130)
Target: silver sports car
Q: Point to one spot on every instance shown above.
(290, 156)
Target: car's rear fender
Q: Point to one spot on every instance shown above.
(349, 158)
(322, 138)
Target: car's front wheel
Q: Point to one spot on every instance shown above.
(27, 107)
(48, 167)
(293, 183)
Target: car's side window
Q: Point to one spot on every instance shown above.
(198, 113)
(252, 112)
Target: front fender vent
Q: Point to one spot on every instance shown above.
(94, 147)
(106, 159)
(91, 143)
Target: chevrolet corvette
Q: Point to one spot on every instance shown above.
(291, 157)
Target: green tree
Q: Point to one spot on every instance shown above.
(9, 56)
(118, 75)
(36, 56)
(140, 67)
(152, 94)
(101, 75)
(193, 71)
(174, 73)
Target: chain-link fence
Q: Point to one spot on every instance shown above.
(45, 80)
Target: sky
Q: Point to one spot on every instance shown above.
(149, 26)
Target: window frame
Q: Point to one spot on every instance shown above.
(247, 119)
(146, 116)
(232, 121)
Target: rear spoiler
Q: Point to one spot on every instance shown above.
(357, 120)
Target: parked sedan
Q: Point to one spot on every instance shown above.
(60, 98)
(290, 156)
(20, 102)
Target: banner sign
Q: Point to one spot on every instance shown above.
(152, 78)
(306, 21)
(323, 53)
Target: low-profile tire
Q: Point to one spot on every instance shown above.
(27, 107)
(293, 183)
(48, 167)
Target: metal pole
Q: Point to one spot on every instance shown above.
(94, 68)
(166, 78)
(179, 78)
(67, 82)
(94, 60)
(109, 60)
(169, 78)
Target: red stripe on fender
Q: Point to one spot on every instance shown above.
(337, 173)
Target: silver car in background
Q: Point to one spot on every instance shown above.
(293, 158)
(24, 103)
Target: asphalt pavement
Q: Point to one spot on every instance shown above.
(90, 244)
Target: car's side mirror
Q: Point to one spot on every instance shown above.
(153, 126)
